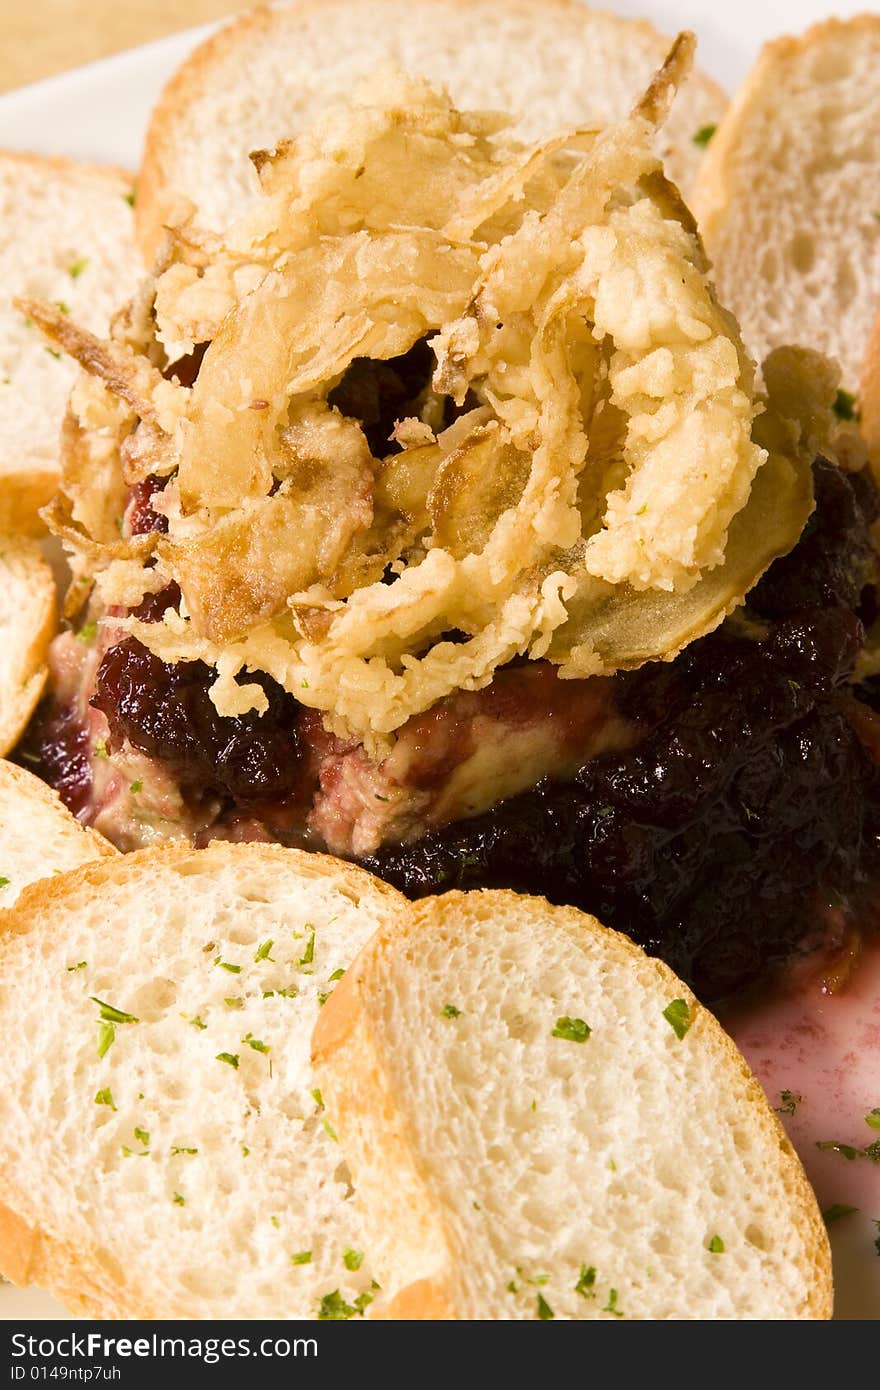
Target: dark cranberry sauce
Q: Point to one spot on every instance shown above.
(56, 748)
(378, 394)
(139, 515)
(750, 803)
(166, 712)
(185, 370)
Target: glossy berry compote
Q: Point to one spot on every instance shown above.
(750, 803)
(166, 712)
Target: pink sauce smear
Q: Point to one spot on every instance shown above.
(825, 1047)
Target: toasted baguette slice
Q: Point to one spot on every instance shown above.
(551, 63)
(187, 1172)
(514, 1164)
(66, 237)
(38, 835)
(28, 617)
(869, 397)
(788, 197)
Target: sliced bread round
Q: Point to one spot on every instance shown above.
(28, 617)
(550, 63)
(869, 396)
(38, 835)
(788, 196)
(165, 1150)
(542, 1122)
(66, 237)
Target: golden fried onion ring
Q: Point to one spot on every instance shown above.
(603, 501)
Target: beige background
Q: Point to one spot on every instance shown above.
(42, 37)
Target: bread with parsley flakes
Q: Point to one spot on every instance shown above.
(267, 75)
(28, 618)
(38, 835)
(788, 196)
(542, 1122)
(164, 1148)
(66, 237)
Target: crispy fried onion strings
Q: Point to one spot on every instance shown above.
(600, 500)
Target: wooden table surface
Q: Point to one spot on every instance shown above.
(42, 37)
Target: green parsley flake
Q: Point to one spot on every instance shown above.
(545, 1312)
(130, 198)
(225, 965)
(844, 406)
(136, 787)
(716, 1245)
(130, 1153)
(105, 1097)
(53, 353)
(106, 1038)
(572, 1029)
(63, 308)
(87, 632)
(318, 1099)
(330, 1131)
(334, 1308)
(702, 136)
(262, 952)
(100, 749)
(338, 974)
(302, 1257)
(364, 1300)
(255, 1043)
(229, 1058)
(872, 1119)
(3, 884)
(450, 1011)
(308, 954)
(80, 965)
(352, 1259)
(790, 1102)
(76, 268)
(181, 1149)
(178, 1200)
(611, 1305)
(110, 1014)
(234, 1002)
(848, 1151)
(585, 1285)
(245, 1150)
(678, 1016)
(196, 1022)
(142, 1136)
(836, 1212)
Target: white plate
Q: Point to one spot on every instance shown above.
(100, 112)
